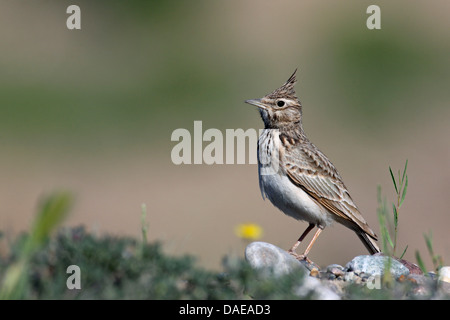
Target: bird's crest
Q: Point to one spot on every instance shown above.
(286, 90)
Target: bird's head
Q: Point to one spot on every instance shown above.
(280, 108)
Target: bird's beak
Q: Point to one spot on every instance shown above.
(258, 103)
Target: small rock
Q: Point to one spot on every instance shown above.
(331, 276)
(309, 264)
(444, 274)
(262, 255)
(365, 276)
(314, 273)
(432, 275)
(412, 267)
(266, 255)
(375, 265)
(350, 276)
(337, 272)
(334, 266)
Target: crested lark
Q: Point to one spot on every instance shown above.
(297, 177)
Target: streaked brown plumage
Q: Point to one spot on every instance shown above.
(297, 177)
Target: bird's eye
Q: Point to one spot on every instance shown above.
(280, 103)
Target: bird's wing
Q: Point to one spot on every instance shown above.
(311, 171)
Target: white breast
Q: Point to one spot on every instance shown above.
(276, 186)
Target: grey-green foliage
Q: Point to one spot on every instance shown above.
(124, 268)
(120, 267)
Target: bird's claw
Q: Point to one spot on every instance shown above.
(299, 256)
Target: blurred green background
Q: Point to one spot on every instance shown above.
(92, 111)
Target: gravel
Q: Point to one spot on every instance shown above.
(334, 281)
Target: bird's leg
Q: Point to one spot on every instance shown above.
(304, 234)
(308, 248)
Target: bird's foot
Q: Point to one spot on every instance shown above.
(303, 259)
(299, 256)
(293, 253)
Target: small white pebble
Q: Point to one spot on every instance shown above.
(444, 274)
(349, 276)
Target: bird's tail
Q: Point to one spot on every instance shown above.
(369, 242)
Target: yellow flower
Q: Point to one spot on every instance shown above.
(248, 231)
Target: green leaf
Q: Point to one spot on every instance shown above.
(389, 239)
(53, 210)
(385, 232)
(420, 263)
(404, 192)
(393, 179)
(144, 226)
(429, 242)
(404, 171)
(404, 251)
(385, 238)
(394, 209)
(379, 195)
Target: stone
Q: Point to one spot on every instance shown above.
(309, 264)
(263, 255)
(331, 276)
(412, 267)
(314, 273)
(350, 276)
(365, 275)
(334, 271)
(444, 274)
(403, 278)
(375, 265)
(432, 275)
(330, 267)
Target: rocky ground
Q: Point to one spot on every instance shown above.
(364, 273)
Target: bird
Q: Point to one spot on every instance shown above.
(297, 177)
